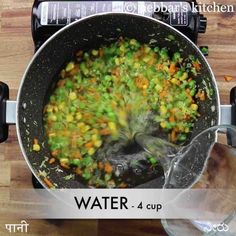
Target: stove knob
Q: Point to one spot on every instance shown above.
(202, 24)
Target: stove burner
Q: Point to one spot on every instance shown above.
(50, 16)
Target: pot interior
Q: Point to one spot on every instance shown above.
(86, 34)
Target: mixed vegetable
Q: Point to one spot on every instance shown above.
(101, 89)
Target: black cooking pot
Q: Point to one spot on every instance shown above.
(87, 33)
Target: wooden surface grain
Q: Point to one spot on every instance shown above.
(16, 50)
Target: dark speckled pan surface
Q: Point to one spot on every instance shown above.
(85, 34)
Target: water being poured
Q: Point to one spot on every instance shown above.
(141, 153)
(130, 161)
(197, 163)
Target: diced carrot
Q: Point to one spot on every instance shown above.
(172, 68)
(173, 136)
(36, 141)
(197, 65)
(122, 185)
(89, 145)
(188, 90)
(61, 83)
(78, 171)
(150, 62)
(159, 66)
(141, 82)
(93, 80)
(163, 94)
(189, 97)
(48, 182)
(173, 110)
(228, 78)
(201, 95)
(108, 168)
(51, 160)
(87, 116)
(144, 93)
(64, 165)
(172, 119)
(77, 155)
(105, 132)
(74, 71)
(55, 153)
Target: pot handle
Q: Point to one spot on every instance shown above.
(233, 105)
(231, 136)
(4, 96)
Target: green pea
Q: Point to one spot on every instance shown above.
(182, 137)
(108, 78)
(87, 161)
(152, 160)
(178, 74)
(86, 175)
(176, 57)
(94, 52)
(193, 92)
(69, 84)
(164, 54)
(73, 109)
(82, 105)
(76, 162)
(107, 177)
(192, 84)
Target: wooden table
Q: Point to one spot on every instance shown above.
(16, 50)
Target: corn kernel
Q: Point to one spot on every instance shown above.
(163, 110)
(51, 134)
(61, 106)
(80, 125)
(98, 143)
(94, 52)
(158, 88)
(52, 118)
(78, 116)
(136, 65)
(186, 130)
(132, 41)
(112, 125)
(91, 151)
(49, 109)
(64, 160)
(174, 81)
(194, 107)
(163, 125)
(36, 147)
(184, 76)
(69, 118)
(70, 66)
(72, 96)
(85, 128)
(95, 131)
(117, 61)
(95, 137)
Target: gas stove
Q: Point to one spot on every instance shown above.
(50, 16)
